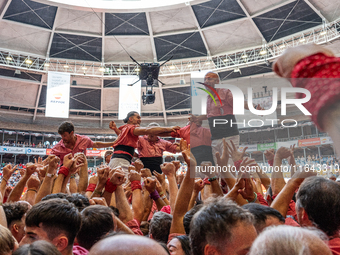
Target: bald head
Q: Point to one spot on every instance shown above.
(127, 245)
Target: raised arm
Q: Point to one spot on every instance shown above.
(7, 172)
(102, 144)
(137, 199)
(184, 193)
(277, 180)
(113, 126)
(46, 186)
(19, 188)
(154, 130)
(169, 169)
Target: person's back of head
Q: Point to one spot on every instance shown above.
(264, 216)
(96, 221)
(160, 226)
(55, 217)
(127, 245)
(37, 248)
(78, 200)
(221, 226)
(319, 198)
(6, 241)
(282, 240)
(188, 217)
(15, 218)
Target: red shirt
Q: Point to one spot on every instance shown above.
(82, 143)
(126, 137)
(154, 149)
(227, 104)
(134, 225)
(334, 245)
(184, 133)
(199, 136)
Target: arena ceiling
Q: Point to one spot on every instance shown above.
(107, 32)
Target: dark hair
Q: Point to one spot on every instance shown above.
(185, 242)
(160, 226)
(213, 224)
(14, 211)
(65, 127)
(130, 114)
(188, 217)
(78, 200)
(321, 200)
(40, 247)
(165, 247)
(114, 210)
(261, 213)
(57, 216)
(96, 221)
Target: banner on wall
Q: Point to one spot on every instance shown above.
(13, 150)
(326, 140)
(287, 144)
(33, 151)
(266, 146)
(58, 95)
(309, 142)
(129, 96)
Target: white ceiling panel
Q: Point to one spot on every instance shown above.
(138, 47)
(230, 37)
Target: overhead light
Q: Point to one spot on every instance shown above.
(28, 61)
(172, 67)
(47, 64)
(84, 68)
(137, 69)
(226, 60)
(323, 32)
(190, 65)
(119, 69)
(66, 66)
(302, 39)
(17, 71)
(244, 56)
(9, 58)
(263, 52)
(101, 69)
(207, 63)
(237, 69)
(282, 46)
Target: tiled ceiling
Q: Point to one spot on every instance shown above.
(208, 27)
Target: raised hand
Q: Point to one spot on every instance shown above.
(175, 128)
(159, 187)
(98, 201)
(234, 153)
(150, 184)
(187, 155)
(68, 160)
(112, 125)
(7, 171)
(30, 169)
(103, 174)
(269, 154)
(177, 164)
(199, 185)
(33, 182)
(145, 172)
(139, 165)
(283, 152)
(168, 169)
(93, 179)
(160, 177)
(134, 176)
(8, 191)
(246, 163)
(223, 161)
(118, 176)
(52, 164)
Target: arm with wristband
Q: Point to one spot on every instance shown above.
(169, 169)
(199, 185)
(137, 199)
(46, 186)
(7, 172)
(150, 185)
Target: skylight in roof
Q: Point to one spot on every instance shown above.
(121, 4)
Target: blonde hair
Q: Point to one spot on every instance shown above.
(6, 241)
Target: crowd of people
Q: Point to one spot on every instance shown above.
(26, 144)
(138, 207)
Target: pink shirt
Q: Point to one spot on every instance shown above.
(83, 142)
(154, 149)
(227, 104)
(184, 133)
(199, 136)
(334, 245)
(126, 137)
